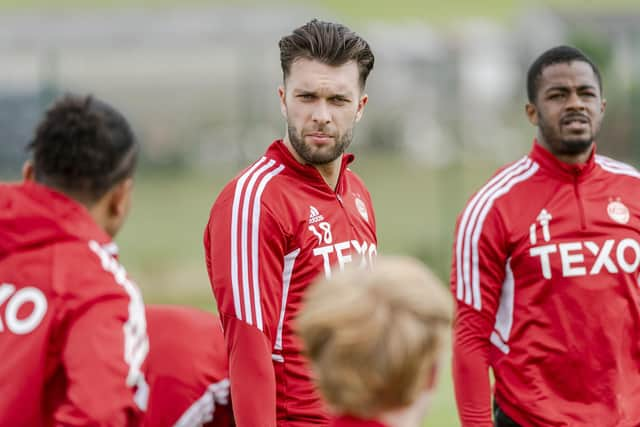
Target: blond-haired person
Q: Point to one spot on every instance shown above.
(374, 338)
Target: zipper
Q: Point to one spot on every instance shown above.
(576, 190)
(341, 200)
(337, 195)
(345, 213)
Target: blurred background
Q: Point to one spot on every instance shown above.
(198, 81)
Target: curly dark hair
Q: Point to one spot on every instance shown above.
(83, 147)
(556, 55)
(329, 43)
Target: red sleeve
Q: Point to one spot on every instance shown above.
(186, 368)
(100, 383)
(105, 347)
(252, 379)
(245, 249)
(477, 275)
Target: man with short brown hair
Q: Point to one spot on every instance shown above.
(297, 212)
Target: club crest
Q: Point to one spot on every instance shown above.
(618, 212)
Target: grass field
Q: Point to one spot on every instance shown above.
(161, 245)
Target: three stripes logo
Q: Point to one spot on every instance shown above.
(314, 215)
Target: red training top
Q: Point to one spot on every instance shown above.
(545, 273)
(186, 369)
(272, 230)
(72, 324)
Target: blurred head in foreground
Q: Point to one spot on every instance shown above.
(86, 149)
(374, 339)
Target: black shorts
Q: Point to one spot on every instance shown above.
(501, 419)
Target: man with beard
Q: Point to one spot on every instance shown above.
(545, 270)
(297, 212)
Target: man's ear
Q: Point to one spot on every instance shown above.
(28, 172)
(282, 94)
(112, 208)
(532, 113)
(120, 198)
(361, 103)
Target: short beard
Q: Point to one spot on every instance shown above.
(563, 146)
(575, 147)
(318, 157)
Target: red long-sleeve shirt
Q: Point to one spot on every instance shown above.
(272, 230)
(186, 369)
(72, 324)
(545, 273)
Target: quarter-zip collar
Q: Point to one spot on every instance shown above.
(561, 170)
(309, 173)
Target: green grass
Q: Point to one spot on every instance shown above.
(161, 243)
(416, 207)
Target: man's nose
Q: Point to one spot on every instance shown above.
(321, 113)
(575, 102)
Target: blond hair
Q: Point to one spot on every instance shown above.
(373, 337)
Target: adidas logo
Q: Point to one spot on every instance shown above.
(314, 215)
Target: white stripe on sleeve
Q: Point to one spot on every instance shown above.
(504, 316)
(202, 410)
(477, 303)
(244, 244)
(289, 262)
(234, 236)
(467, 223)
(255, 232)
(245, 234)
(467, 262)
(616, 167)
